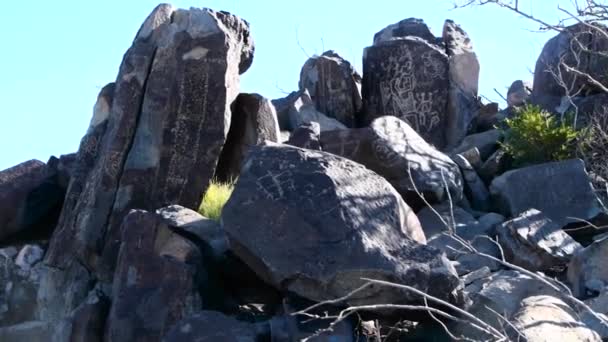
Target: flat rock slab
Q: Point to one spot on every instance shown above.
(560, 190)
(535, 242)
(332, 222)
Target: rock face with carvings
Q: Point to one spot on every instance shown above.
(334, 86)
(312, 202)
(155, 139)
(431, 83)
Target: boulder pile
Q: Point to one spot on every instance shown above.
(361, 204)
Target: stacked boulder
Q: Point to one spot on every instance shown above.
(393, 200)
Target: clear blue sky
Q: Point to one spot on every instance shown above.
(56, 55)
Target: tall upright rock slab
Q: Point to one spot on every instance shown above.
(156, 138)
(429, 82)
(334, 86)
(407, 78)
(463, 73)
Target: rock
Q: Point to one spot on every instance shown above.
(390, 147)
(29, 200)
(86, 322)
(561, 190)
(253, 121)
(211, 326)
(476, 275)
(405, 28)
(407, 78)
(546, 318)
(155, 282)
(29, 256)
(486, 142)
(283, 106)
(496, 164)
(334, 86)
(501, 292)
(567, 47)
(156, 138)
(306, 136)
(433, 224)
(190, 223)
(486, 117)
(474, 187)
(588, 271)
(519, 92)
(303, 111)
(26, 331)
(473, 157)
(19, 281)
(340, 221)
(536, 243)
(463, 77)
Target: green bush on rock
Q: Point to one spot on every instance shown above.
(215, 198)
(536, 136)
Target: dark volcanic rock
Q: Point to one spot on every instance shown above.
(334, 86)
(408, 78)
(463, 73)
(156, 138)
(406, 27)
(561, 190)
(306, 136)
(577, 46)
(331, 221)
(212, 326)
(535, 242)
(254, 120)
(588, 271)
(30, 199)
(391, 148)
(155, 281)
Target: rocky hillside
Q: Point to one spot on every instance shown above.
(381, 207)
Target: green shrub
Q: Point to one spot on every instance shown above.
(214, 200)
(536, 136)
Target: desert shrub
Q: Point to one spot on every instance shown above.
(215, 198)
(593, 149)
(536, 136)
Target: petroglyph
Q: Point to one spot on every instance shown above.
(274, 186)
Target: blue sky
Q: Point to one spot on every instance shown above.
(56, 55)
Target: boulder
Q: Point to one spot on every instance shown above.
(463, 77)
(588, 271)
(405, 28)
(334, 86)
(155, 284)
(26, 331)
(434, 220)
(494, 166)
(560, 190)
(407, 77)
(303, 111)
(30, 200)
(86, 322)
(211, 326)
(19, 279)
(395, 151)
(341, 222)
(536, 243)
(306, 136)
(282, 106)
(474, 188)
(577, 47)
(253, 121)
(519, 92)
(486, 142)
(155, 137)
(502, 292)
(546, 318)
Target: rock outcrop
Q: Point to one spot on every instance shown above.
(313, 202)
